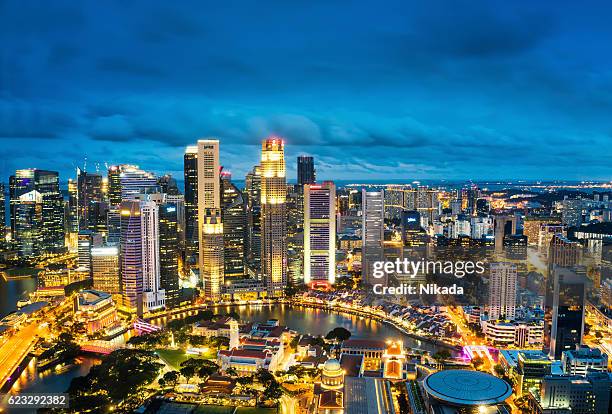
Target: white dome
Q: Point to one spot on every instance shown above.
(332, 365)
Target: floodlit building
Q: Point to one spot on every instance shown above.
(320, 234)
(210, 225)
(273, 215)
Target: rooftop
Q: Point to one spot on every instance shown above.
(461, 387)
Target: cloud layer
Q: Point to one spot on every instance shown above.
(402, 89)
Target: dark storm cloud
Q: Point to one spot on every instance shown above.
(401, 89)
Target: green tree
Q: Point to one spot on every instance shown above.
(171, 378)
(338, 334)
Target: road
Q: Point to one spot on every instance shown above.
(288, 405)
(16, 348)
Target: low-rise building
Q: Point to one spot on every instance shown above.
(96, 309)
(583, 359)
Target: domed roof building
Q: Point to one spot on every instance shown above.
(331, 397)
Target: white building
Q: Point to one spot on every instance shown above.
(372, 232)
(320, 233)
(210, 231)
(581, 360)
(502, 291)
(153, 295)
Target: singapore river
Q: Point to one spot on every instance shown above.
(13, 290)
(303, 320)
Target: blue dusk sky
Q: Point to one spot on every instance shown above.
(374, 90)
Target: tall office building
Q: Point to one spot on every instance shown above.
(135, 182)
(169, 252)
(167, 185)
(424, 200)
(273, 216)
(253, 213)
(37, 212)
(2, 216)
(563, 252)
(234, 226)
(211, 258)
(72, 214)
(372, 231)
(320, 234)
(571, 212)
(502, 291)
(153, 293)
(114, 185)
(564, 309)
(131, 256)
(91, 207)
(305, 170)
(84, 245)
(190, 161)
(295, 233)
(503, 226)
(105, 269)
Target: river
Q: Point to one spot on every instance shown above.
(12, 291)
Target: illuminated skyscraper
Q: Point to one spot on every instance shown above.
(91, 208)
(234, 226)
(191, 200)
(153, 293)
(273, 216)
(320, 233)
(105, 269)
(2, 216)
(169, 252)
(564, 311)
(211, 258)
(305, 170)
(253, 211)
(114, 185)
(135, 182)
(502, 291)
(37, 212)
(131, 256)
(372, 232)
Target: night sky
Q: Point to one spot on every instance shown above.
(374, 90)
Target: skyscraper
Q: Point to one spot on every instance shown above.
(135, 182)
(114, 185)
(253, 212)
(564, 311)
(131, 256)
(234, 226)
(153, 293)
(502, 291)
(372, 232)
(305, 170)
(320, 233)
(37, 212)
(273, 215)
(105, 269)
(2, 216)
(140, 268)
(211, 259)
(169, 252)
(191, 200)
(91, 208)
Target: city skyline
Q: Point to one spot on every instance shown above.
(493, 91)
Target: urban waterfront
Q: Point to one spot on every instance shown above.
(11, 291)
(304, 320)
(305, 207)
